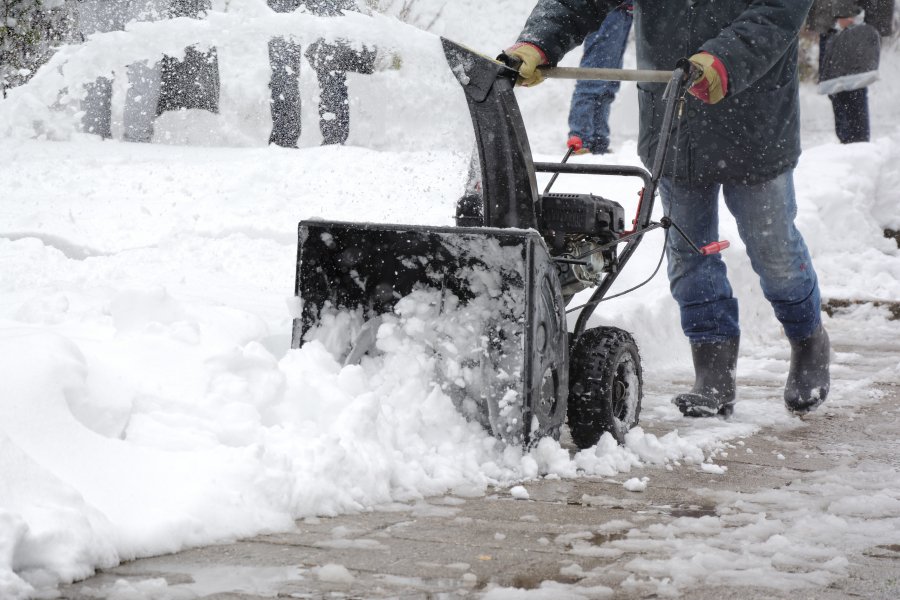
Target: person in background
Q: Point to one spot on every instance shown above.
(152, 88)
(591, 101)
(828, 18)
(739, 135)
(330, 61)
(191, 82)
(103, 16)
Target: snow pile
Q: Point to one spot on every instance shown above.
(48, 107)
(209, 443)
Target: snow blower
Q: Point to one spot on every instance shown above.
(510, 267)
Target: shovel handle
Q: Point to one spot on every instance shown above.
(606, 74)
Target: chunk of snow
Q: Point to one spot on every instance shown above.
(636, 484)
(713, 468)
(519, 492)
(334, 573)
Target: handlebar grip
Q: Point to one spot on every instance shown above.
(714, 248)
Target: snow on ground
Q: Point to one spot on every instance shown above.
(150, 400)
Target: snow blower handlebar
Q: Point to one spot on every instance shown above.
(596, 74)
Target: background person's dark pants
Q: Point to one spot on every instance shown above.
(284, 59)
(851, 115)
(334, 103)
(851, 109)
(334, 106)
(97, 106)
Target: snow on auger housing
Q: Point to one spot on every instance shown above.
(503, 276)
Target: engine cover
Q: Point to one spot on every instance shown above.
(582, 214)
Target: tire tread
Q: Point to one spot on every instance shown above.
(590, 410)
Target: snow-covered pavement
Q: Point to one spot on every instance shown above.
(790, 512)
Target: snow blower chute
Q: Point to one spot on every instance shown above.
(509, 268)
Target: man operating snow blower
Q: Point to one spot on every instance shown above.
(739, 132)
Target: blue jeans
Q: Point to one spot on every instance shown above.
(765, 215)
(589, 112)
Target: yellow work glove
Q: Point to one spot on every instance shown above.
(711, 85)
(532, 57)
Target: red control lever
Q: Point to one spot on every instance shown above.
(714, 248)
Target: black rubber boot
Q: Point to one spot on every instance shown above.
(713, 393)
(809, 379)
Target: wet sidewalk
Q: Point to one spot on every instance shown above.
(583, 538)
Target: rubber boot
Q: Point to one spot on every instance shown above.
(715, 368)
(809, 379)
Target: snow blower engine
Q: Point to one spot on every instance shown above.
(501, 279)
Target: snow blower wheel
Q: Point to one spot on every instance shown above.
(606, 386)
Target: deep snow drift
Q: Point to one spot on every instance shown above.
(149, 398)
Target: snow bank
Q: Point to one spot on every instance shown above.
(389, 103)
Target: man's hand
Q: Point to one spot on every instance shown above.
(532, 57)
(711, 85)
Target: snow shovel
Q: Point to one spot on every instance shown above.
(520, 373)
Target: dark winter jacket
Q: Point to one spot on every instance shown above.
(879, 14)
(848, 59)
(824, 13)
(751, 136)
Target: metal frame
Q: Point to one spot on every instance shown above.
(509, 183)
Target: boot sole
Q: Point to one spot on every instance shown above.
(801, 407)
(804, 410)
(690, 407)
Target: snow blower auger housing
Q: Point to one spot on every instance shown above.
(508, 269)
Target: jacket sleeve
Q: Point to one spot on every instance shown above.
(557, 26)
(757, 39)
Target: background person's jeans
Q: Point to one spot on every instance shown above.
(589, 112)
(765, 218)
